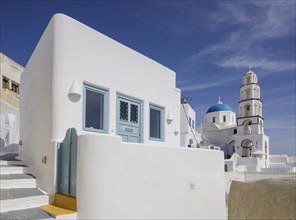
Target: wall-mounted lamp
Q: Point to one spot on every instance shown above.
(75, 91)
(169, 117)
(176, 130)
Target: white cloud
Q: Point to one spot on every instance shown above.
(243, 45)
(240, 61)
(206, 85)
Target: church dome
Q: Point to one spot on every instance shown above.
(219, 107)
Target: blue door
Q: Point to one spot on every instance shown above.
(67, 160)
(129, 119)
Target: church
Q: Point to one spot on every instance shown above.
(243, 135)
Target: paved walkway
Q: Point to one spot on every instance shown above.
(15, 176)
(16, 193)
(9, 157)
(25, 214)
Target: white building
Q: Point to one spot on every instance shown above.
(126, 160)
(10, 73)
(189, 136)
(243, 136)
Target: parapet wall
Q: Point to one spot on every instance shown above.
(117, 180)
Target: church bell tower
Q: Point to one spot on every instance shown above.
(250, 136)
(250, 104)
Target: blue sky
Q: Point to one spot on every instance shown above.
(209, 44)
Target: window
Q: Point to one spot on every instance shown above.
(224, 118)
(15, 87)
(5, 83)
(156, 123)
(189, 121)
(193, 124)
(95, 109)
(214, 119)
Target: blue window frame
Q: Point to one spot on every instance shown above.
(95, 109)
(156, 123)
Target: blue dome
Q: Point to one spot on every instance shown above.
(219, 107)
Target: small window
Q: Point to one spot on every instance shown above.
(156, 123)
(214, 119)
(5, 82)
(189, 121)
(224, 118)
(193, 124)
(15, 87)
(95, 109)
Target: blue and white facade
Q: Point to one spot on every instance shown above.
(243, 135)
(125, 109)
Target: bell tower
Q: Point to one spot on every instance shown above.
(250, 138)
(250, 104)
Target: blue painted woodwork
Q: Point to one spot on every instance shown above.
(67, 163)
(156, 123)
(98, 100)
(129, 119)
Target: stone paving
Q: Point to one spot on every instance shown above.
(25, 214)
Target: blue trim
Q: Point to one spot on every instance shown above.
(161, 110)
(105, 109)
(138, 125)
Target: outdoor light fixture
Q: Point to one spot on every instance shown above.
(176, 130)
(75, 91)
(169, 117)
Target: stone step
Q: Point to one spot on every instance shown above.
(58, 212)
(16, 199)
(12, 169)
(17, 181)
(26, 214)
(11, 162)
(64, 207)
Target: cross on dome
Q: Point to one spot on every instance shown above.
(219, 102)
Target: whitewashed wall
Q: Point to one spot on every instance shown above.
(187, 131)
(86, 55)
(36, 110)
(134, 181)
(69, 50)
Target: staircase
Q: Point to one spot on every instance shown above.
(21, 199)
(19, 196)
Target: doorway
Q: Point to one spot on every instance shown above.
(129, 119)
(67, 164)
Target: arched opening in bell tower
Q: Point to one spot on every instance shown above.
(247, 148)
(248, 79)
(247, 110)
(247, 126)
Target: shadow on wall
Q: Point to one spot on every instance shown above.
(11, 148)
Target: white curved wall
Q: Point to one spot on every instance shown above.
(118, 180)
